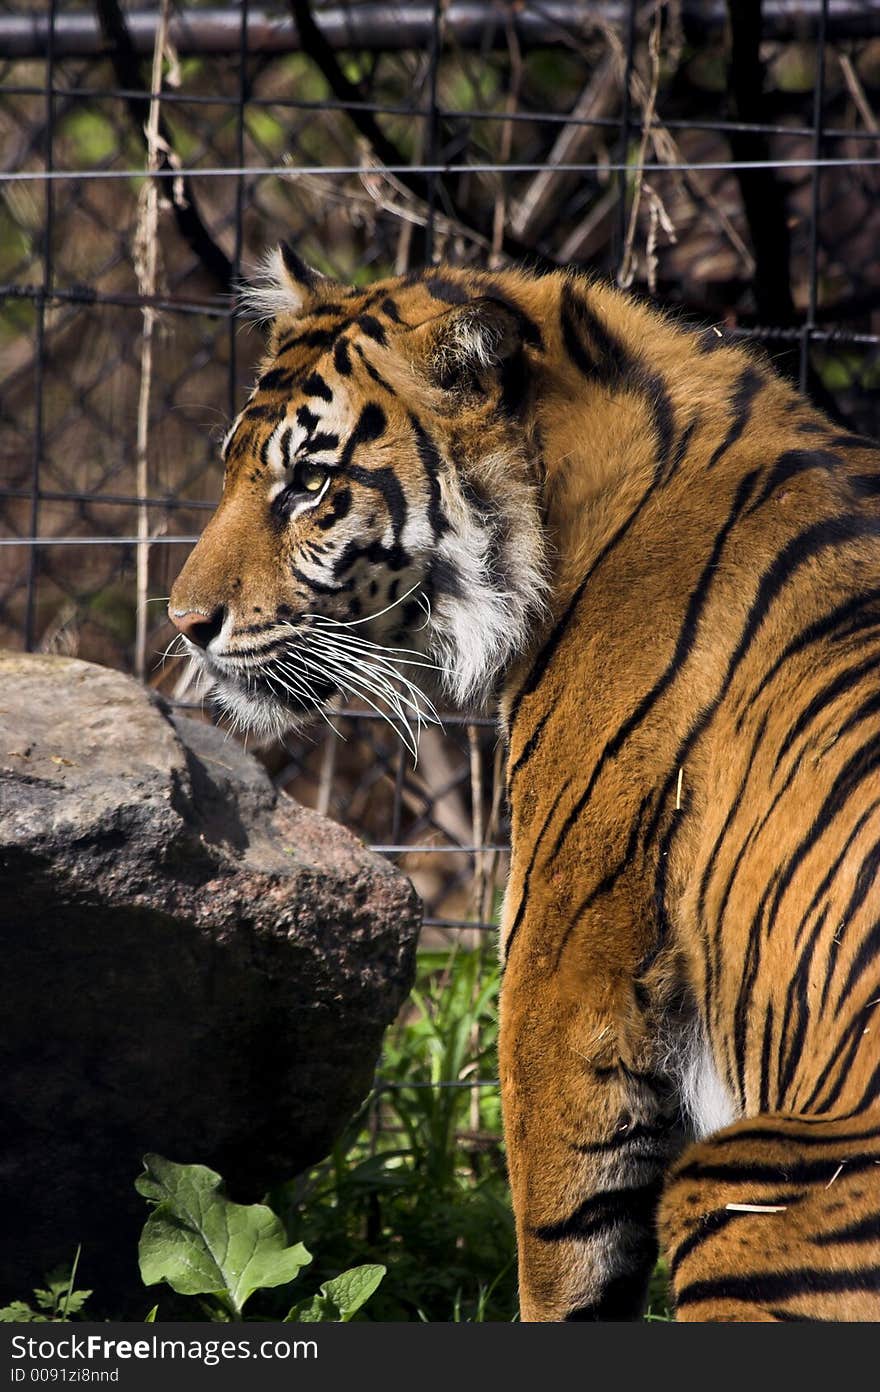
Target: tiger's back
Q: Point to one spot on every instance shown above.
(694, 900)
(667, 566)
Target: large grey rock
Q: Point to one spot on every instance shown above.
(191, 964)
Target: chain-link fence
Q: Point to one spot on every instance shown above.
(720, 158)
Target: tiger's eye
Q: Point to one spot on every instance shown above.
(311, 477)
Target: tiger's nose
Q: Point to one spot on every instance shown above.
(196, 625)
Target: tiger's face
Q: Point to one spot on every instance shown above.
(378, 533)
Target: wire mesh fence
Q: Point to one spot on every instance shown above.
(724, 159)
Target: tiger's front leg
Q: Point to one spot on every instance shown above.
(590, 1129)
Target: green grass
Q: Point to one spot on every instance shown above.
(419, 1181)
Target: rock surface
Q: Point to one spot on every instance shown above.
(192, 965)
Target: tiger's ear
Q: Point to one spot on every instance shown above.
(284, 284)
(460, 348)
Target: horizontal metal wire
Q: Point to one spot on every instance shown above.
(338, 171)
(447, 718)
(480, 927)
(433, 849)
(443, 113)
(85, 295)
(393, 1085)
(98, 541)
(51, 495)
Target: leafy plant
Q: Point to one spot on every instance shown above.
(419, 1180)
(201, 1243)
(57, 1303)
(340, 1299)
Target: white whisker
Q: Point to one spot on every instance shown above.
(367, 618)
(386, 671)
(359, 687)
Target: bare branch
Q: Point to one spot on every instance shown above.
(127, 70)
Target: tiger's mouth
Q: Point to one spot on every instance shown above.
(289, 681)
(263, 696)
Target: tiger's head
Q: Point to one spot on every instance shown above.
(380, 516)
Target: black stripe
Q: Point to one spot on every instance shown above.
(639, 1134)
(312, 338)
(854, 442)
(307, 419)
(445, 290)
(789, 1171)
(733, 809)
(314, 385)
(780, 1285)
(609, 880)
(608, 1209)
(839, 685)
(794, 462)
(764, 1081)
(865, 1229)
(277, 379)
(681, 449)
(866, 485)
(797, 1004)
(264, 410)
(372, 372)
(370, 325)
(715, 1221)
(742, 1016)
(747, 388)
(316, 585)
(858, 767)
(795, 1137)
(529, 747)
(529, 330)
(341, 359)
(610, 362)
(854, 615)
(830, 533)
(323, 440)
(828, 878)
(869, 948)
(370, 426)
(432, 463)
(297, 269)
(684, 643)
(521, 908)
(548, 651)
(847, 1043)
(829, 1101)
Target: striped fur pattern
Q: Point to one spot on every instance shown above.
(665, 564)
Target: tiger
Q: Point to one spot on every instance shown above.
(660, 565)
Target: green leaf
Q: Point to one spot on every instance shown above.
(150, 1316)
(19, 1312)
(76, 1300)
(314, 1311)
(353, 1288)
(203, 1244)
(339, 1299)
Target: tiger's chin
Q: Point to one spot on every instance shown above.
(257, 708)
(261, 713)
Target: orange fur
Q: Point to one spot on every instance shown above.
(691, 922)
